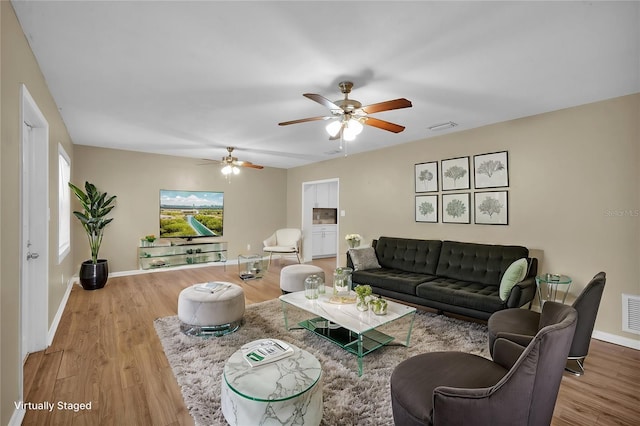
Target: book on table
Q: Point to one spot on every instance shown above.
(265, 351)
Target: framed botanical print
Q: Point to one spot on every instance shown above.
(492, 208)
(456, 208)
(427, 208)
(426, 177)
(491, 170)
(455, 174)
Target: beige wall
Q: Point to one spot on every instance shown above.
(571, 173)
(254, 201)
(18, 66)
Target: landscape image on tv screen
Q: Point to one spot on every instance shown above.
(188, 214)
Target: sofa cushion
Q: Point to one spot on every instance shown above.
(515, 273)
(391, 279)
(418, 256)
(472, 295)
(480, 263)
(364, 258)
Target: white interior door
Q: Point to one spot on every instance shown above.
(34, 208)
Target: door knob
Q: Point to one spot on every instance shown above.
(32, 256)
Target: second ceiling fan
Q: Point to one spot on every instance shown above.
(349, 115)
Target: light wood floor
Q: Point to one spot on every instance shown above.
(106, 352)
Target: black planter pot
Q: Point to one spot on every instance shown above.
(94, 276)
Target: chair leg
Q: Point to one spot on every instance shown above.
(269, 263)
(298, 256)
(575, 371)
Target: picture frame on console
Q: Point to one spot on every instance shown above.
(455, 174)
(491, 208)
(456, 208)
(491, 170)
(427, 208)
(426, 177)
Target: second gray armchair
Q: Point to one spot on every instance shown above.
(520, 325)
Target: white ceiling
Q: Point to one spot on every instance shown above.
(190, 78)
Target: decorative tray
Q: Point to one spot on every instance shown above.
(342, 300)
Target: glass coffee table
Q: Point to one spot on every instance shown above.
(341, 323)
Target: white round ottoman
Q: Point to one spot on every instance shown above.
(292, 277)
(211, 309)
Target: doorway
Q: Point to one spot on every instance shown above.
(309, 202)
(34, 227)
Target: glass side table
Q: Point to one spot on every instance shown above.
(548, 286)
(250, 266)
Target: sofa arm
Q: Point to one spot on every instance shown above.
(522, 293)
(349, 261)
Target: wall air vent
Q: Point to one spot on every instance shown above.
(631, 313)
(442, 126)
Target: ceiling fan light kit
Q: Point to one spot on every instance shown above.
(348, 115)
(228, 169)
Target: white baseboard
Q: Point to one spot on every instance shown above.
(17, 417)
(616, 340)
(58, 317)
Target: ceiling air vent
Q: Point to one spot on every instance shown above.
(631, 313)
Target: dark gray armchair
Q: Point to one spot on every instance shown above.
(519, 387)
(520, 325)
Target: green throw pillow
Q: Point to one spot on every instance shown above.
(512, 276)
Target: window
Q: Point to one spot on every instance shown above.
(64, 204)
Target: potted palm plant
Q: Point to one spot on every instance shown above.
(96, 205)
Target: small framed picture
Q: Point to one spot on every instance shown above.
(427, 208)
(456, 208)
(491, 170)
(426, 176)
(455, 174)
(492, 208)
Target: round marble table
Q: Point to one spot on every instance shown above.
(284, 392)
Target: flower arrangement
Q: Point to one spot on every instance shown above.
(363, 292)
(353, 239)
(150, 238)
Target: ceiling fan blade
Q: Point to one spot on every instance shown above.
(247, 164)
(251, 165)
(322, 101)
(302, 120)
(384, 125)
(209, 162)
(387, 105)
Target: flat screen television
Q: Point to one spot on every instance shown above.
(191, 214)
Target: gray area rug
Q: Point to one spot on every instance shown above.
(348, 399)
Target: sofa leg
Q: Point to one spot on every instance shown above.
(440, 312)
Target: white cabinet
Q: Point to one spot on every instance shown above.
(326, 195)
(324, 241)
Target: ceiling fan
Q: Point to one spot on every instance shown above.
(348, 115)
(231, 164)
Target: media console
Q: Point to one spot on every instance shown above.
(189, 253)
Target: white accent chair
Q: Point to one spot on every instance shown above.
(283, 241)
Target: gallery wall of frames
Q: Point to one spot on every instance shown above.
(443, 190)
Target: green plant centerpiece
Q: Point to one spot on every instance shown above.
(96, 206)
(362, 293)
